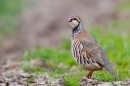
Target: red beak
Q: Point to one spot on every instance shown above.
(70, 20)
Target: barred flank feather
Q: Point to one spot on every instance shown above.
(80, 55)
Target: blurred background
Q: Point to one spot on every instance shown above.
(33, 29)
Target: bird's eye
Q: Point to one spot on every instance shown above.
(74, 19)
(71, 19)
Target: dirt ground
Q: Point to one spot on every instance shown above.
(12, 75)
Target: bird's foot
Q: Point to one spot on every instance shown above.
(89, 75)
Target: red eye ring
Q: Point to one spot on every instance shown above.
(74, 18)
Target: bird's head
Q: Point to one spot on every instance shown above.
(74, 21)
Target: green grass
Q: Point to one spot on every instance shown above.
(72, 80)
(53, 58)
(125, 6)
(9, 11)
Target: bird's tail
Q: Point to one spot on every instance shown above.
(109, 68)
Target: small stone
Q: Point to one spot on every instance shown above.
(42, 83)
(20, 85)
(2, 84)
(33, 84)
(61, 83)
(124, 83)
(26, 75)
(87, 82)
(13, 84)
(38, 63)
(8, 79)
(62, 65)
(2, 80)
(40, 78)
(117, 83)
(127, 80)
(104, 84)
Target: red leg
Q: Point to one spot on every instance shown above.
(89, 75)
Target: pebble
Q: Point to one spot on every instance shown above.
(26, 75)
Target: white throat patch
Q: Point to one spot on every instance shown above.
(74, 23)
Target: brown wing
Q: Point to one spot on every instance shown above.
(97, 53)
(92, 48)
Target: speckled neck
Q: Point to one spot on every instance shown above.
(77, 30)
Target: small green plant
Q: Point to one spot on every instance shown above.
(31, 79)
(73, 80)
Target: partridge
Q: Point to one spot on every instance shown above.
(86, 50)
